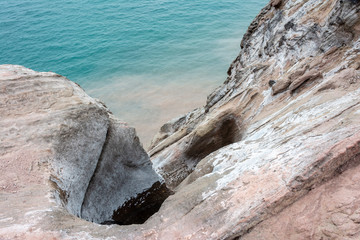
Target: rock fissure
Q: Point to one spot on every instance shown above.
(95, 171)
(137, 210)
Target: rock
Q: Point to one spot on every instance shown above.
(321, 214)
(251, 164)
(292, 139)
(58, 139)
(215, 132)
(309, 76)
(123, 175)
(271, 83)
(276, 3)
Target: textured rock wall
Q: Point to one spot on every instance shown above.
(293, 93)
(293, 45)
(331, 211)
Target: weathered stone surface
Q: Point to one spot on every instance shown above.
(292, 137)
(257, 159)
(56, 137)
(123, 171)
(330, 211)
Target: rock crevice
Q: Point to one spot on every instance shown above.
(94, 173)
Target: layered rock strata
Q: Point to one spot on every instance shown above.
(274, 154)
(285, 122)
(284, 50)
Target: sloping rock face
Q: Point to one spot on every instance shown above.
(332, 211)
(288, 49)
(285, 122)
(53, 136)
(274, 154)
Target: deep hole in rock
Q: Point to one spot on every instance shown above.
(225, 132)
(138, 210)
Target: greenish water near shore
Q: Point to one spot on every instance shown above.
(149, 61)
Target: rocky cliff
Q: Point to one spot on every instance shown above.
(274, 154)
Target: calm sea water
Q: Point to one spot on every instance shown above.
(148, 60)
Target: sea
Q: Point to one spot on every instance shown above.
(149, 61)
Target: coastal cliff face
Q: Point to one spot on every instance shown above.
(274, 154)
(290, 48)
(285, 122)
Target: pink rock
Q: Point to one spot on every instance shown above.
(252, 163)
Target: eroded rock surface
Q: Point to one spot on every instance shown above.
(331, 211)
(280, 136)
(55, 137)
(293, 94)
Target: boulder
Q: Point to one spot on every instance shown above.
(59, 139)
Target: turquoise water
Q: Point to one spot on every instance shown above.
(148, 60)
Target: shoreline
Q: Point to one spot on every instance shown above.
(147, 106)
